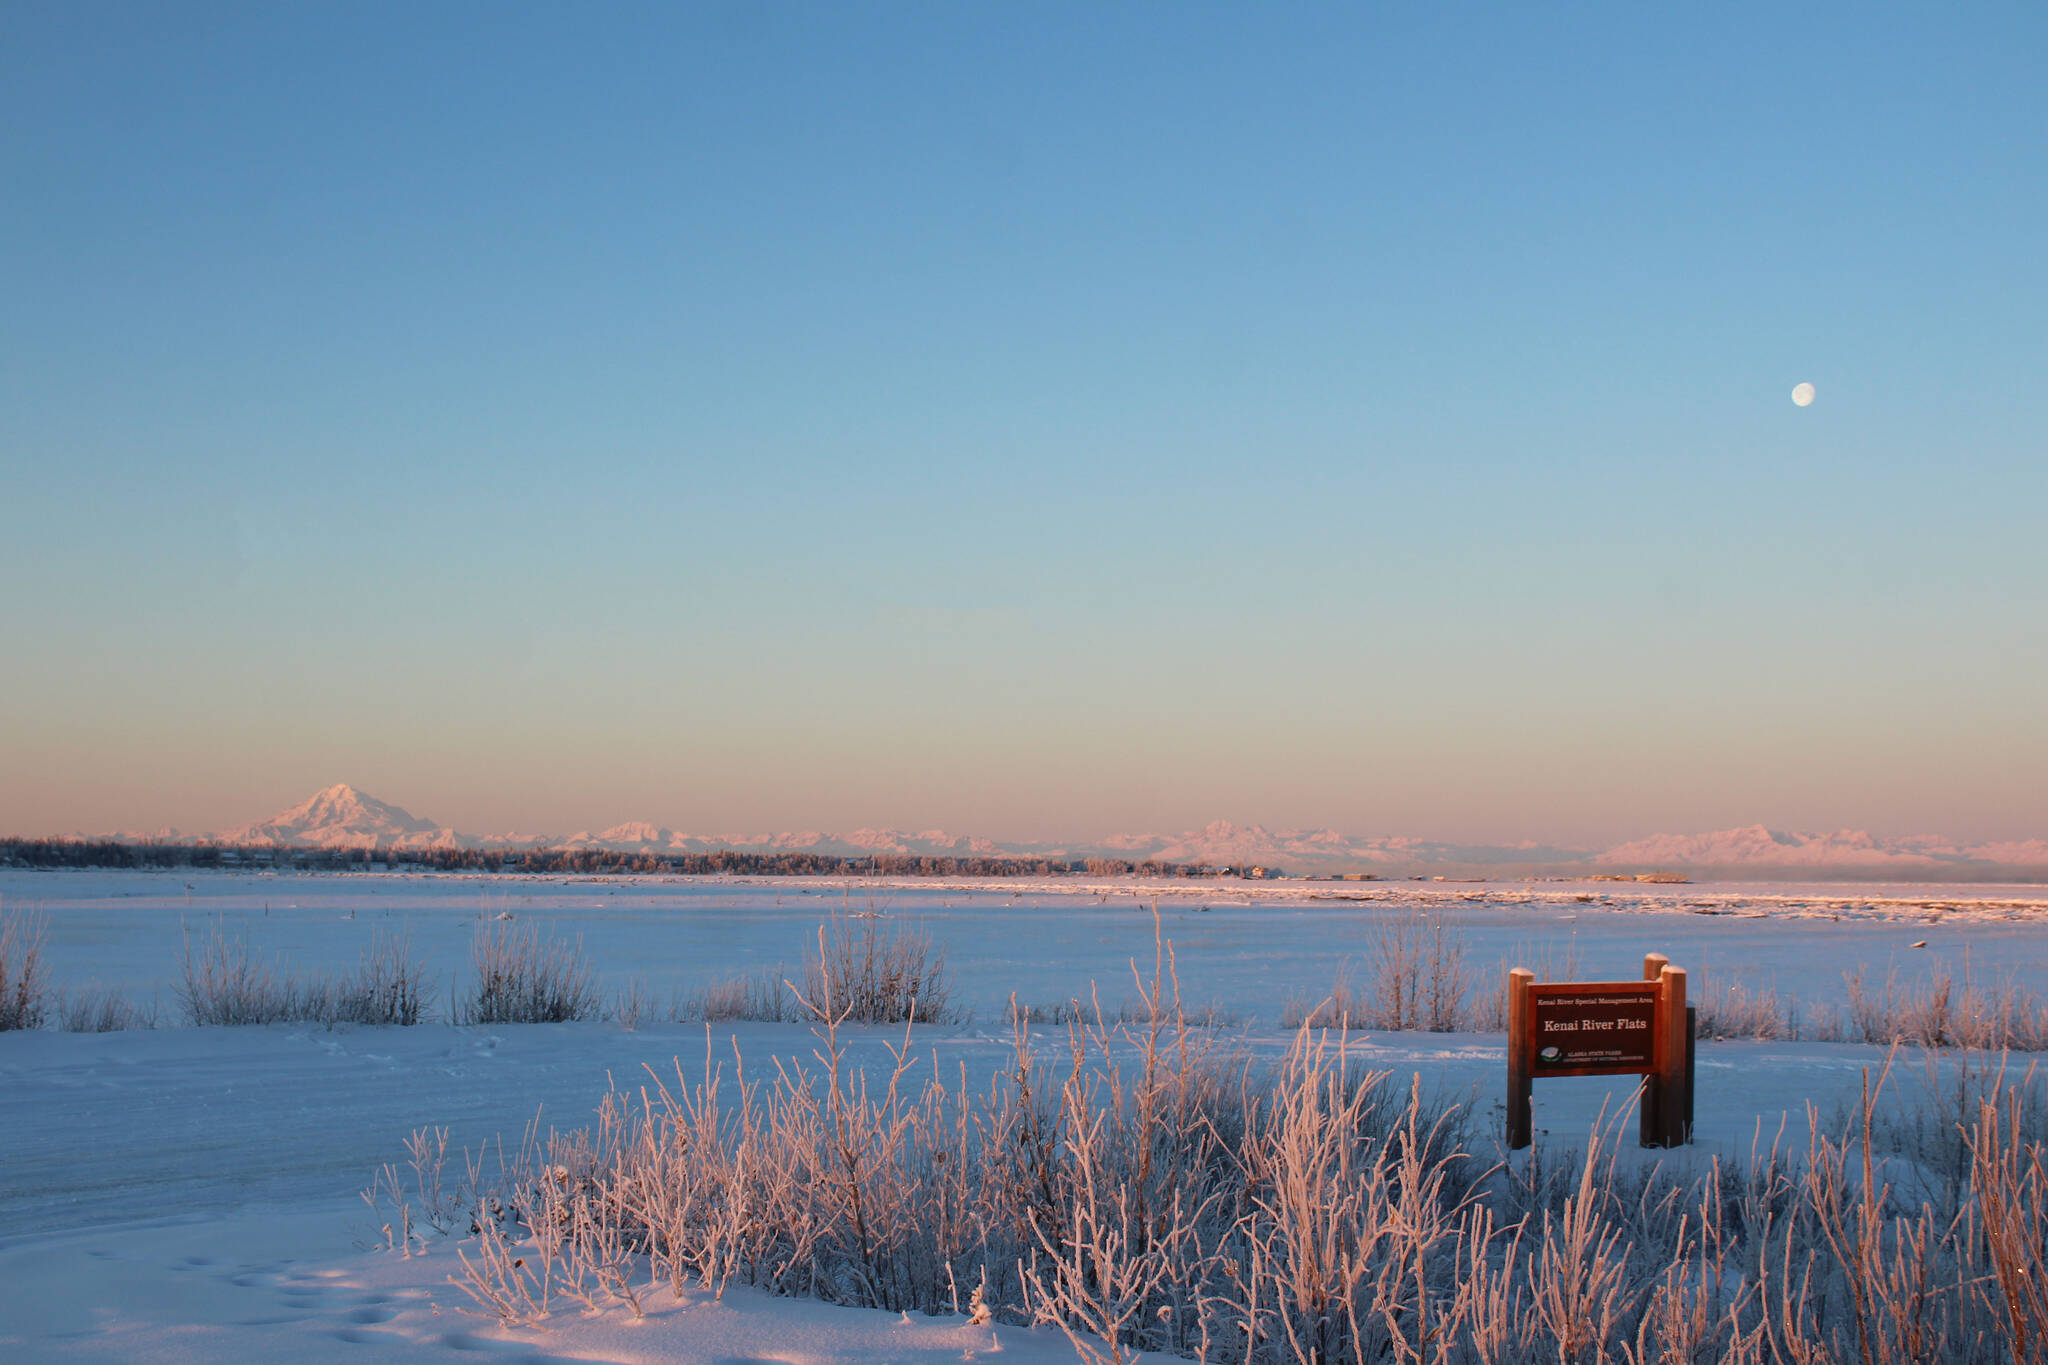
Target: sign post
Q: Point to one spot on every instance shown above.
(1604, 1028)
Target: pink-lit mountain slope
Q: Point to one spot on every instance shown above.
(1754, 846)
(637, 836)
(1225, 844)
(342, 817)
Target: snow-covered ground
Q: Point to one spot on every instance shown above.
(189, 1194)
(289, 1285)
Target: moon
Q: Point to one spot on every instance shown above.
(1803, 395)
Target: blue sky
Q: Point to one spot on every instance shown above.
(1035, 421)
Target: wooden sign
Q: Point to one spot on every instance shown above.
(1593, 1028)
(1604, 1028)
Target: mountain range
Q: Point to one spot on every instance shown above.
(342, 817)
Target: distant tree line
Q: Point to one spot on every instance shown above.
(109, 854)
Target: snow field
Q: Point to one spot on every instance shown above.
(245, 1147)
(267, 1285)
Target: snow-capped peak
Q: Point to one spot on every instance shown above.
(342, 817)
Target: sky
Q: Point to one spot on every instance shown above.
(1033, 421)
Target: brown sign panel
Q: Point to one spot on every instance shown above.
(1593, 1028)
(1604, 1028)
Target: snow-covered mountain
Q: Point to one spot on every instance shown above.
(342, 817)
(639, 837)
(1754, 846)
(635, 836)
(167, 834)
(1225, 844)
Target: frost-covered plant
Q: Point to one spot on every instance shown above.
(92, 1010)
(631, 1005)
(428, 1201)
(225, 983)
(23, 988)
(762, 998)
(390, 987)
(873, 977)
(1413, 977)
(1074, 1011)
(516, 979)
(2009, 1175)
(1944, 1012)
(1150, 1190)
(1736, 1011)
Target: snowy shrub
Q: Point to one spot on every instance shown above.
(631, 1005)
(764, 998)
(91, 1010)
(389, 987)
(225, 983)
(23, 989)
(1413, 978)
(515, 979)
(1210, 1015)
(1068, 1013)
(407, 1211)
(1735, 1011)
(1342, 1008)
(1944, 1013)
(862, 975)
(1055, 1012)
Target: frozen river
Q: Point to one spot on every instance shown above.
(1249, 947)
